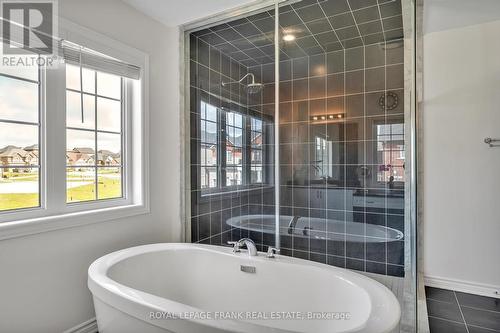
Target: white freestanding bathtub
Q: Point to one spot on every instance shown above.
(203, 288)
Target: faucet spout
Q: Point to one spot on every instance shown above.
(246, 242)
(292, 224)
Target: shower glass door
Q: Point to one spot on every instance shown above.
(331, 101)
(232, 124)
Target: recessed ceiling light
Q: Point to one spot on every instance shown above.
(288, 37)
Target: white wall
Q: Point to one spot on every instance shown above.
(43, 285)
(461, 173)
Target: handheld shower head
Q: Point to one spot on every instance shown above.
(251, 88)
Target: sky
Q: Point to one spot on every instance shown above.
(19, 102)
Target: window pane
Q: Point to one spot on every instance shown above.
(74, 113)
(80, 147)
(208, 155)
(203, 110)
(18, 144)
(208, 177)
(256, 125)
(108, 149)
(237, 156)
(73, 79)
(233, 176)
(18, 100)
(80, 184)
(212, 155)
(230, 118)
(230, 140)
(238, 120)
(109, 183)
(19, 188)
(238, 137)
(208, 132)
(109, 85)
(211, 113)
(256, 156)
(256, 174)
(229, 155)
(203, 154)
(398, 138)
(108, 115)
(25, 72)
(93, 154)
(256, 138)
(390, 152)
(398, 129)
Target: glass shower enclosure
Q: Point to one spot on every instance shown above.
(300, 135)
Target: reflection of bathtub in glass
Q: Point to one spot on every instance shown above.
(315, 228)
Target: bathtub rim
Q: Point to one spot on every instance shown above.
(399, 233)
(138, 304)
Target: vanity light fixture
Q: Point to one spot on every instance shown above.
(328, 117)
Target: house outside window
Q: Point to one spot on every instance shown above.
(209, 146)
(390, 152)
(19, 138)
(256, 146)
(232, 149)
(234, 140)
(94, 136)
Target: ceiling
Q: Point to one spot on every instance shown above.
(438, 14)
(442, 15)
(318, 26)
(177, 12)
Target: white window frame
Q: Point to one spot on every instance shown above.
(54, 213)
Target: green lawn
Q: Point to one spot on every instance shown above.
(107, 187)
(18, 200)
(19, 177)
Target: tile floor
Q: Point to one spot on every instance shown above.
(455, 312)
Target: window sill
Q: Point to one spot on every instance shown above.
(39, 225)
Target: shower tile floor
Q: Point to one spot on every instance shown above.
(455, 312)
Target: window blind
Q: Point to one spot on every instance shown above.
(78, 55)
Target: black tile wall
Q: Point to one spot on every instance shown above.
(350, 83)
(338, 66)
(210, 211)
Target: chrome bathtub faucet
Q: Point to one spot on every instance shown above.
(292, 224)
(272, 251)
(248, 243)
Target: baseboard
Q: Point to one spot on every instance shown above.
(90, 326)
(463, 286)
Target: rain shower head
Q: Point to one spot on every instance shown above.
(251, 88)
